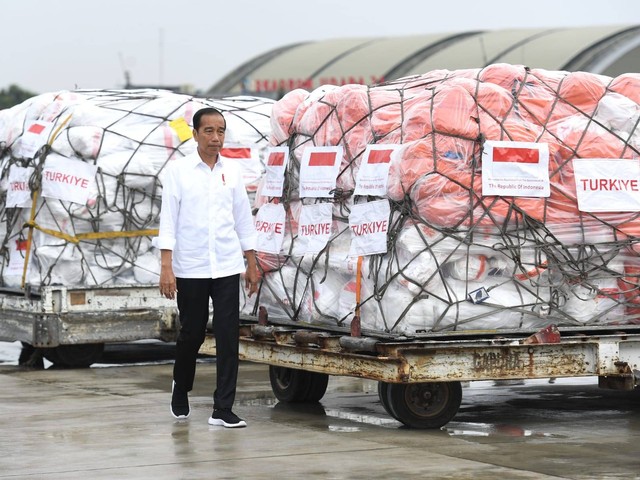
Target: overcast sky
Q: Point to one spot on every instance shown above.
(51, 45)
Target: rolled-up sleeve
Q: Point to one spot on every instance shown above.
(166, 239)
(244, 219)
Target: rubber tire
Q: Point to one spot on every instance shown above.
(74, 356)
(30, 356)
(383, 395)
(292, 385)
(317, 387)
(424, 405)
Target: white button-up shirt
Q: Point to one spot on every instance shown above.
(205, 218)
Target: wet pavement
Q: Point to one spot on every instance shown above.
(113, 422)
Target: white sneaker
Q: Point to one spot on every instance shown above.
(227, 419)
(179, 405)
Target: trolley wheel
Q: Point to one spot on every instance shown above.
(74, 356)
(383, 394)
(424, 405)
(317, 386)
(30, 356)
(292, 385)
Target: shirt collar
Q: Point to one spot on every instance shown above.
(197, 161)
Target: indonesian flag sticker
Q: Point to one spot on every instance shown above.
(34, 137)
(517, 169)
(243, 153)
(319, 168)
(17, 253)
(277, 158)
(373, 174)
(37, 128)
(516, 155)
(322, 159)
(249, 159)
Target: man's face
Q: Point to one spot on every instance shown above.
(210, 135)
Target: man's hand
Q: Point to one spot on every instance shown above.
(252, 277)
(168, 287)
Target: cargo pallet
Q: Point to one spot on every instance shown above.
(419, 378)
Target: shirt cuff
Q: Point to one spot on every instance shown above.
(249, 243)
(163, 243)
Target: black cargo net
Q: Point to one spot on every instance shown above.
(458, 259)
(129, 136)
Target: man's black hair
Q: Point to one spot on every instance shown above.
(206, 111)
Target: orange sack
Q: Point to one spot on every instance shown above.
(440, 121)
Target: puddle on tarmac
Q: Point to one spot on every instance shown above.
(493, 430)
(334, 419)
(342, 428)
(360, 417)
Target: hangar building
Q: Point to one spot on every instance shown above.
(610, 50)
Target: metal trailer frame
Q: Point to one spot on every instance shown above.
(71, 324)
(420, 378)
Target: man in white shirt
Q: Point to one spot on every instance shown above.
(205, 228)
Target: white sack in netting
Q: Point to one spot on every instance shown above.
(99, 184)
(466, 249)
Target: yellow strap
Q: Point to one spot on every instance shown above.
(27, 254)
(152, 232)
(58, 129)
(91, 235)
(31, 223)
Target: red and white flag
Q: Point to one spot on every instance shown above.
(319, 170)
(607, 185)
(515, 169)
(373, 173)
(34, 137)
(249, 158)
(17, 254)
(277, 159)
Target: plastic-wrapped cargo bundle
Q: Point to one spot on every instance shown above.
(459, 254)
(94, 161)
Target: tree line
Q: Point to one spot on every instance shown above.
(13, 95)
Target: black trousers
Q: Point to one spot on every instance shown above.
(193, 305)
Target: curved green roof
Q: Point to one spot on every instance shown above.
(608, 50)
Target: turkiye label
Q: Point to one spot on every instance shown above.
(269, 225)
(314, 228)
(18, 191)
(66, 179)
(369, 225)
(607, 185)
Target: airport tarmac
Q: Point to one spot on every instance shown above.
(113, 422)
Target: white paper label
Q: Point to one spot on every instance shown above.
(515, 169)
(369, 224)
